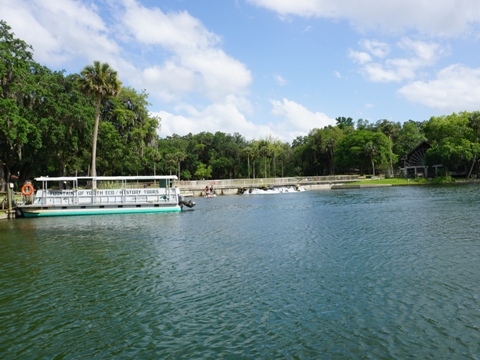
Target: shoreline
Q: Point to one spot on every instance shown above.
(231, 187)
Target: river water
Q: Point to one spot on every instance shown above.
(386, 273)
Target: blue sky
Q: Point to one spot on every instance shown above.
(268, 68)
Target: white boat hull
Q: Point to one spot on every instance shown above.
(72, 211)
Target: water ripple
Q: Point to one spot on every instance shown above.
(375, 273)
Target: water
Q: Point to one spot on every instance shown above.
(387, 273)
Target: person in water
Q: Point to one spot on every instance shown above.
(206, 190)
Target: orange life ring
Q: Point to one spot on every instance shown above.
(27, 189)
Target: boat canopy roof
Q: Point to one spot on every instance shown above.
(107, 178)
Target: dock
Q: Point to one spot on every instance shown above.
(196, 188)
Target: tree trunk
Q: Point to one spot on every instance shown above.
(333, 165)
(274, 167)
(391, 157)
(474, 156)
(473, 164)
(95, 136)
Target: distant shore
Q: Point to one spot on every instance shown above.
(231, 186)
(197, 188)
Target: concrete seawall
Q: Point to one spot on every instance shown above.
(232, 186)
(363, 186)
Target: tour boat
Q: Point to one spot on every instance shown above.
(100, 195)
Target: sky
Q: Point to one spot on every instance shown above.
(267, 68)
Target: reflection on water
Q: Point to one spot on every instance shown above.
(371, 273)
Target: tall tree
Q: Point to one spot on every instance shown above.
(17, 91)
(100, 81)
(249, 153)
(371, 151)
(345, 123)
(474, 123)
(450, 137)
(351, 150)
(330, 145)
(263, 151)
(388, 128)
(64, 117)
(132, 131)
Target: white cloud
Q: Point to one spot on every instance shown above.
(169, 81)
(221, 75)
(455, 89)
(193, 53)
(174, 56)
(61, 32)
(280, 80)
(308, 28)
(417, 55)
(425, 53)
(177, 31)
(376, 48)
(439, 18)
(227, 116)
(360, 57)
(380, 73)
(297, 120)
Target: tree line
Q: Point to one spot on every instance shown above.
(56, 124)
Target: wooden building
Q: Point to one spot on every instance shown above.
(414, 164)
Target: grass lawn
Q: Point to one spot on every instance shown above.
(392, 181)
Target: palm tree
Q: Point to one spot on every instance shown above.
(330, 150)
(248, 152)
(99, 80)
(179, 157)
(388, 128)
(371, 151)
(171, 161)
(264, 151)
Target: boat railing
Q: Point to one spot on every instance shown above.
(105, 196)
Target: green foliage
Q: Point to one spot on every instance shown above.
(420, 180)
(100, 81)
(17, 93)
(407, 138)
(315, 153)
(65, 118)
(360, 149)
(345, 123)
(452, 140)
(443, 180)
(186, 175)
(47, 125)
(50, 124)
(203, 171)
(129, 142)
